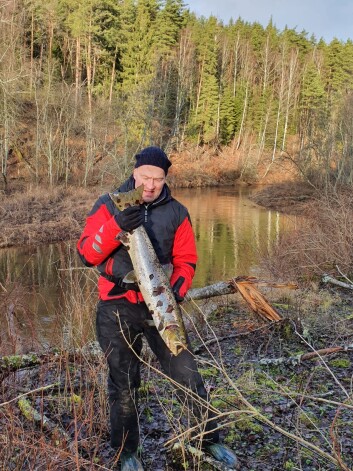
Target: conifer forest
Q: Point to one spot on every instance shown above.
(85, 84)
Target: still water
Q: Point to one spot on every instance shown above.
(231, 234)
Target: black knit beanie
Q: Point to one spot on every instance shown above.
(153, 155)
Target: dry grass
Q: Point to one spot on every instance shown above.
(202, 166)
(43, 215)
(291, 197)
(322, 244)
(66, 388)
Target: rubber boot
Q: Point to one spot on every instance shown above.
(223, 454)
(130, 462)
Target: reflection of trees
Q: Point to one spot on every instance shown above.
(231, 232)
(47, 275)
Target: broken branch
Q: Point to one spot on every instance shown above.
(295, 360)
(330, 279)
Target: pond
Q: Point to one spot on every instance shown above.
(231, 233)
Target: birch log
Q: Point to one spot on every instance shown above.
(217, 289)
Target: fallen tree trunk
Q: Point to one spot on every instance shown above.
(11, 363)
(246, 287)
(222, 288)
(295, 360)
(217, 289)
(330, 279)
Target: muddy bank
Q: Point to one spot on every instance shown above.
(42, 216)
(287, 197)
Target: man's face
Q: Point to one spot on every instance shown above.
(152, 178)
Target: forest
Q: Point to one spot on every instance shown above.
(85, 85)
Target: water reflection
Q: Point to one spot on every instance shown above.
(45, 283)
(231, 231)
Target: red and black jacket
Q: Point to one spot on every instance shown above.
(168, 225)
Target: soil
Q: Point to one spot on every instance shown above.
(307, 399)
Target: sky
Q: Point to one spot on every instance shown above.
(323, 18)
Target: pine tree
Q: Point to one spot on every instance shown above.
(107, 37)
(204, 118)
(230, 113)
(169, 21)
(138, 60)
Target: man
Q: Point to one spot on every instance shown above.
(122, 315)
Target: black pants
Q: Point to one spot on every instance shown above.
(120, 326)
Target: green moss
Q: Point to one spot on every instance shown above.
(237, 350)
(15, 361)
(266, 381)
(340, 363)
(287, 331)
(76, 399)
(246, 382)
(281, 305)
(268, 450)
(208, 373)
(148, 413)
(28, 411)
(289, 465)
(245, 423)
(232, 436)
(309, 419)
(145, 388)
(218, 403)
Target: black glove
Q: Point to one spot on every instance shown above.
(129, 219)
(176, 289)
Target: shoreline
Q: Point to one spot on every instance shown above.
(38, 216)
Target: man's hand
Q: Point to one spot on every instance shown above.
(129, 219)
(176, 289)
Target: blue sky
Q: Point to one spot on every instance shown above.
(323, 18)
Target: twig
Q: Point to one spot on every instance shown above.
(3, 287)
(226, 337)
(335, 444)
(318, 398)
(33, 391)
(344, 276)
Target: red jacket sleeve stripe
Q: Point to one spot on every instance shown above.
(98, 239)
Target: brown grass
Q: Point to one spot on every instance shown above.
(322, 243)
(291, 197)
(43, 215)
(202, 166)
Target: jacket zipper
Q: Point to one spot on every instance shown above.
(152, 204)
